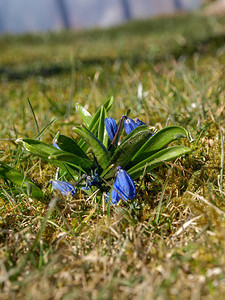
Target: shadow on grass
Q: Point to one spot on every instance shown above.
(209, 45)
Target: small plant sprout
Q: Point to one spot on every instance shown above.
(92, 154)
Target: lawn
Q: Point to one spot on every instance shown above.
(169, 241)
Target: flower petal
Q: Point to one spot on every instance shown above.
(63, 186)
(129, 125)
(111, 127)
(115, 197)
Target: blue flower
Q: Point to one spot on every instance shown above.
(130, 125)
(64, 187)
(111, 127)
(123, 187)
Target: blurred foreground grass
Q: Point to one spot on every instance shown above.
(170, 244)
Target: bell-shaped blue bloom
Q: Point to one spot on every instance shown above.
(129, 125)
(64, 187)
(123, 187)
(111, 127)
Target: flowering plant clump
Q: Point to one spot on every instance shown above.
(108, 155)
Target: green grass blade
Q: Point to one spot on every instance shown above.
(45, 128)
(157, 159)
(35, 119)
(20, 180)
(99, 150)
(159, 209)
(159, 141)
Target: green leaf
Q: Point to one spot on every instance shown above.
(101, 124)
(135, 131)
(108, 103)
(99, 150)
(92, 122)
(105, 136)
(95, 121)
(81, 163)
(128, 148)
(102, 133)
(67, 144)
(37, 147)
(44, 150)
(20, 180)
(107, 170)
(67, 170)
(93, 126)
(157, 159)
(159, 141)
(85, 115)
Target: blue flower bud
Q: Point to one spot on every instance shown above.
(129, 125)
(111, 127)
(63, 186)
(123, 187)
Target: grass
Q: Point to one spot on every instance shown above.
(170, 241)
